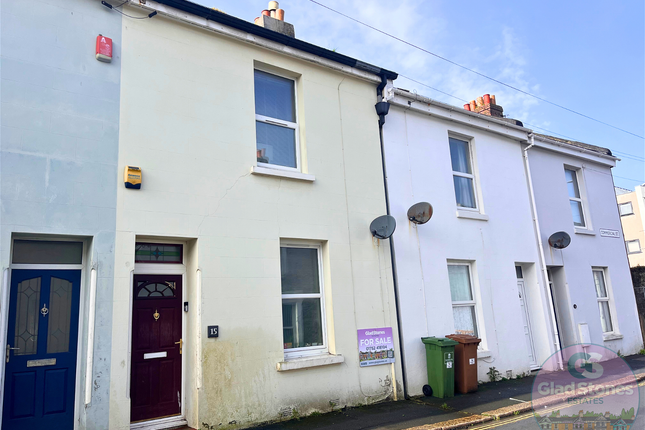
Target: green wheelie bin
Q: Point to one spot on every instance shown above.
(440, 358)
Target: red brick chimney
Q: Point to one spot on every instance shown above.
(273, 19)
(485, 105)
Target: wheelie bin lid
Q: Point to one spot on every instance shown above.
(464, 338)
(438, 341)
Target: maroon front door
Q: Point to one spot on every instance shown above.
(156, 347)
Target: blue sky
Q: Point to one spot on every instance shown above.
(585, 55)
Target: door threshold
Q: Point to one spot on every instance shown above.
(160, 423)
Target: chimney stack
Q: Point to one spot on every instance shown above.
(273, 19)
(485, 105)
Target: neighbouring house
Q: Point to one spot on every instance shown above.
(589, 279)
(58, 198)
(483, 264)
(631, 206)
(474, 268)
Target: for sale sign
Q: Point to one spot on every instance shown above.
(375, 346)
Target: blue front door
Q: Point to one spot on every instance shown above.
(40, 359)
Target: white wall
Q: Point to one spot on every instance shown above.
(586, 250)
(58, 151)
(419, 169)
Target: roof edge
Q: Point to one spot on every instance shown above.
(416, 97)
(240, 24)
(598, 151)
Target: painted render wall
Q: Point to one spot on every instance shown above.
(188, 121)
(633, 225)
(574, 263)
(58, 147)
(419, 169)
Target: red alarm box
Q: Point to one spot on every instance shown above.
(103, 48)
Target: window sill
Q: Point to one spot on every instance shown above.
(471, 215)
(285, 174)
(584, 231)
(308, 362)
(484, 353)
(610, 337)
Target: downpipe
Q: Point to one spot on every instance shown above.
(382, 109)
(545, 275)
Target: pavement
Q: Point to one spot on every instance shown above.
(527, 421)
(493, 401)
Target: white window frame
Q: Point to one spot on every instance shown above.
(627, 242)
(631, 209)
(469, 303)
(583, 207)
(280, 122)
(308, 351)
(607, 299)
(468, 141)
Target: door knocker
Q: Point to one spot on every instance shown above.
(44, 311)
(156, 315)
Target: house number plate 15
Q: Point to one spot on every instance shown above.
(213, 331)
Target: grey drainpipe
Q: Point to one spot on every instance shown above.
(382, 109)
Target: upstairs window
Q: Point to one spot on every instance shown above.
(276, 124)
(626, 209)
(575, 201)
(462, 173)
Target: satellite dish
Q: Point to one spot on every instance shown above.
(383, 227)
(420, 213)
(559, 240)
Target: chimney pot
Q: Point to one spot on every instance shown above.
(280, 14)
(467, 106)
(492, 100)
(273, 5)
(266, 12)
(480, 101)
(473, 105)
(487, 99)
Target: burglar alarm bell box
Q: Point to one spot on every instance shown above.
(103, 49)
(132, 177)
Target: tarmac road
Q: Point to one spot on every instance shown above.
(528, 422)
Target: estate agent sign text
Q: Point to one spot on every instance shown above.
(375, 346)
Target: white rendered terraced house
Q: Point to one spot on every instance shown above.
(482, 265)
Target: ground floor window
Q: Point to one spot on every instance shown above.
(602, 296)
(303, 322)
(463, 299)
